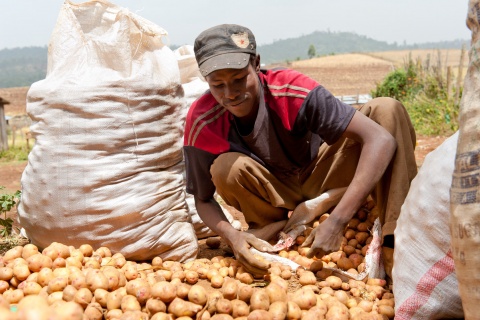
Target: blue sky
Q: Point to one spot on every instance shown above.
(30, 22)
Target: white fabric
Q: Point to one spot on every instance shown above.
(107, 167)
(425, 283)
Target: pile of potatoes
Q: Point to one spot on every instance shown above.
(351, 255)
(63, 282)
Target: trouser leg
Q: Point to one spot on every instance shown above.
(250, 188)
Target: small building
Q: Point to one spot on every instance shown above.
(3, 125)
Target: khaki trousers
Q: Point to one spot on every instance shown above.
(246, 185)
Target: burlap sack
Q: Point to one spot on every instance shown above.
(424, 282)
(106, 168)
(465, 190)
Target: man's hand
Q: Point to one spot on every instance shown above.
(240, 242)
(325, 238)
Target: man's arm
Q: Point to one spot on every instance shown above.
(378, 148)
(240, 242)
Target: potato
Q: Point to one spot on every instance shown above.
(4, 285)
(154, 306)
(259, 300)
(260, 314)
(307, 278)
(114, 299)
(6, 273)
(304, 298)
(334, 282)
(245, 292)
(278, 310)
(95, 279)
(140, 289)
(179, 308)
(93, 312)
(197, 294)
(54, 297)
(191, 277)
(29, 250)
(338, 312)
(83, 297)
(100, 296)
(103, 252)
(130, 303)
(244, 277)
(31, 288)
(21, 272)
(217, 281)
(33, 307)
(165, 291)
(57, 284)
(315, 313)
(345, 263)
(220, 316)
(182, 290)
(275, 292)
(162, 316)
(68, 311)
(362, 237)
(229, 289)
(224, 306)
(13, 253)
(69, 293)
(213, 297)
(387, 311)
(239, 308)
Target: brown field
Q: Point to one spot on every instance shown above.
(359, 73)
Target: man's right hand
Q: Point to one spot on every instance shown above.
(240, 242)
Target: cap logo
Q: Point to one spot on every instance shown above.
(241, 39)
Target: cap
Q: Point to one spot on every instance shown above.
(226, 46)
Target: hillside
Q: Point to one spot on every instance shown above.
(20, 67)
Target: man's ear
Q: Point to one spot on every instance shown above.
(257, 63)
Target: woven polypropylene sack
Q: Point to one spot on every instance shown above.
(425, 285)
(106, 168)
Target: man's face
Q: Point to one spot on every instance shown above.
(237, 90)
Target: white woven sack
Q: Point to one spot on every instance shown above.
(425, 285)
(194, 85)
(106, 168)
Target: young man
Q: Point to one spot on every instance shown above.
(270, 140)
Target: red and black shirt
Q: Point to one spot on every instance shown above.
(295, 116)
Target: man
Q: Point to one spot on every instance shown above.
(269, 140)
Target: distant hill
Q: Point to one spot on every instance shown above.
(20, 67)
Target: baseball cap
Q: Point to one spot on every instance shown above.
(226, 46)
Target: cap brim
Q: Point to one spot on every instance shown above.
(225, 61)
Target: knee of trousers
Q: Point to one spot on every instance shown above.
(226, 168)
(386, 106)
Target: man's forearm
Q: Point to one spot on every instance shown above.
(212, 215)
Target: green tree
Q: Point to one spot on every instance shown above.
(312, 52)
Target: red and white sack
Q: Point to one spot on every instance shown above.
(194, 85)
(106, 168)
(425, 285)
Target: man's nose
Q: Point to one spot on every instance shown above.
(231, 92)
